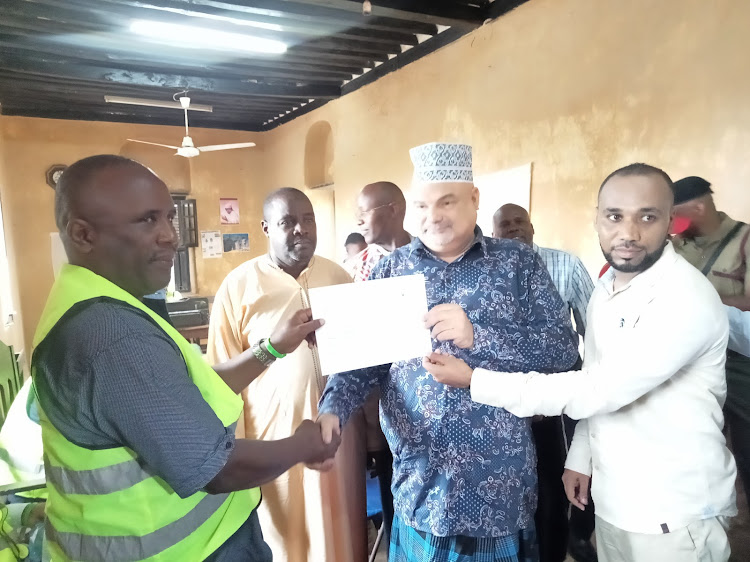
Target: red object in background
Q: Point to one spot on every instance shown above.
(604, 269)
(679, 225)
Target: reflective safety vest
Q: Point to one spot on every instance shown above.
(105, 504)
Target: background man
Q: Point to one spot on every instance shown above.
(718, 246)
(306, 516)
(464, 475)
(354, 244)
(139, 447)
(552, 434)
(381, 208)
(652, 387)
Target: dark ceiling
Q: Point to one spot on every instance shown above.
(59, 58)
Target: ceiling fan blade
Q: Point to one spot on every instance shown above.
(154, 143)
(212, 147)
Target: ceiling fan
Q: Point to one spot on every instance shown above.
(188, 148)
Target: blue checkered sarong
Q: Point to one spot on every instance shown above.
(411, 545)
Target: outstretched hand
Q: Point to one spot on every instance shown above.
(330, 432)
(291, 331)
(317, 452)
(448, 369)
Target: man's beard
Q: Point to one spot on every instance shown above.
(647, 261)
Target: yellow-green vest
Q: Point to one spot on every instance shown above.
(103, 505)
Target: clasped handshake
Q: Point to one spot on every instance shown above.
(320, 440)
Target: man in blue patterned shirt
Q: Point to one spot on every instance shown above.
(464, 474)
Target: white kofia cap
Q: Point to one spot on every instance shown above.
(442, 162)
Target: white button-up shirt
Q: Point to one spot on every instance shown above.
(652, 389)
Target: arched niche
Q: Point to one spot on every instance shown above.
(319, 155)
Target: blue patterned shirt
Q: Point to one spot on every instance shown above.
(460, 467)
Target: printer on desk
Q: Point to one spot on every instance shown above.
(188, 312)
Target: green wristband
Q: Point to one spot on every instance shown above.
(272, 351)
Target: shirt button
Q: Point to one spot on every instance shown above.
(593, 436)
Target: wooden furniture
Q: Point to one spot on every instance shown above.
(194, 334)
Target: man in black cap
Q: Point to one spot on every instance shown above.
(719, 246)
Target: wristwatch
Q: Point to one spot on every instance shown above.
(262, 354)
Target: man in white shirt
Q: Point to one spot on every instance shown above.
(652, 389)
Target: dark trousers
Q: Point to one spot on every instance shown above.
(552, 524)
(384, 469)
(552, 512)
(737, 414)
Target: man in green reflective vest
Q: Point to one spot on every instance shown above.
(138, 430)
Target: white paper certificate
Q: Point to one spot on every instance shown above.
(371, 323)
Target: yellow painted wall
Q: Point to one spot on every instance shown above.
(30, 146)
(578, 87)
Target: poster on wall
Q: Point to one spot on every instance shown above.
(211, 244)
(512, 185)
(229, 211)
(237, 242)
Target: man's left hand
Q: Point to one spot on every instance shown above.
(448, 369)
(449, 322)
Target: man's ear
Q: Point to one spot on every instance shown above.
(475, 197)
(82, 235)
(264, 227)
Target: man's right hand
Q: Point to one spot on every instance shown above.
(330, 431)
(576, 488)
(317, 452)
(290, 332)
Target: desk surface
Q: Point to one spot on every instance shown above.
(194, 332)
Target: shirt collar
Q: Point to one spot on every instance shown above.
(643, 280)
(417, 245)
(302, 274)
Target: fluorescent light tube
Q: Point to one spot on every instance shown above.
(189, 36)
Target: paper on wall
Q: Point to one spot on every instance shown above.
(499, 188)
(211, 244)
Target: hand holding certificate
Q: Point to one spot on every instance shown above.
(372, 323)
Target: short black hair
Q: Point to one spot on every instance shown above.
(355, 238)
(640, 169)
(77, 177)
(280, 193)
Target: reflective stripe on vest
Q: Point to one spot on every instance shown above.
(103, 480)
(92, 547)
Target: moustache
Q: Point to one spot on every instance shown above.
(628, 246)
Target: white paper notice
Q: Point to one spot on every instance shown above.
(371, 323)
(211, 243)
